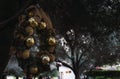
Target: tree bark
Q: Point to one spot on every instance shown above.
(77, 74)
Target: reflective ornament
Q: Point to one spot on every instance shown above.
(29, 42)
(34, 69)
(42, 25)
(52, 41)
(26, 54)
(45, 59)
(30, 14)
(29, 30)
(33, 22)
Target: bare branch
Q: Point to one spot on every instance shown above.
(65, 64)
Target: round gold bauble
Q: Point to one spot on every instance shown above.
(42, 25)
(45, 59)
(52, 41)
(34, 69)
(29, 30)
(30, 14)
(26, 54)
(33, 22)
(29, 41)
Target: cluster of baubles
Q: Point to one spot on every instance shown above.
(29, 26)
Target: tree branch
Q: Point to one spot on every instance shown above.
(80, 64)
(80, 57)
(65, 64)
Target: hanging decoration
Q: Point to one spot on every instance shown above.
(26, 54)
(42, 25)
(52, 41)
(29, 42)
(34, 42)
(45, 59)
(34, 69)
(29, 30)
(33, 22)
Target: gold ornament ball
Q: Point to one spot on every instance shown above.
(26, 54)
(30, 42)
(52, 41)
(34, 69)
(29, 30)
(42, 25)
(33, 22)
(30, 14)
(45, 59)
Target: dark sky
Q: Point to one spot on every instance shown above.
(8, 9)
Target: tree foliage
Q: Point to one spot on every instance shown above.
(82, 51)
(77, 50)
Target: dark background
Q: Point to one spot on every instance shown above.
(97, 17)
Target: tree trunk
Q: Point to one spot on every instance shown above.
(77, 74)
